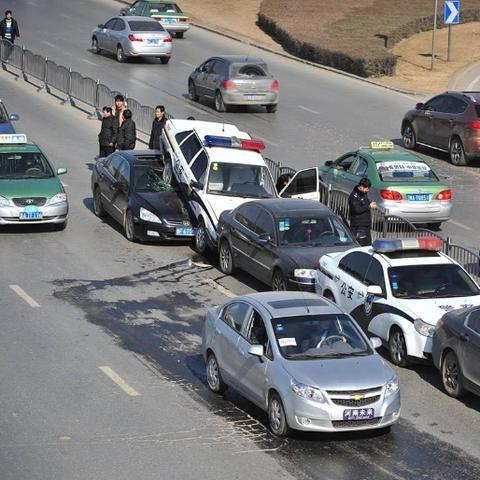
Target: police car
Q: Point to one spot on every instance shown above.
(218, 166)
(397, 290)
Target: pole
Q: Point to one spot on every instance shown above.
(449, 42)
(435, 8)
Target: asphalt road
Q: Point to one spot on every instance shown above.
(321, 115)
(100, 370)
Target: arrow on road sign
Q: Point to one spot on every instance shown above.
(451, 13)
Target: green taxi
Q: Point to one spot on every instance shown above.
(30, 190)
(402, 182)
(168, 13)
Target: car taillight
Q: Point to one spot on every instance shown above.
(158, 19)
(229, 85)
(390, 195)
(475, 125)
(133, 38)
(184, 19)
(444, 195)
(275, 85)
(167, 40)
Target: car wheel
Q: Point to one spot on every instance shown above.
(272, 108)
(98, 209)
(201, 238)
(95, 47)
(457, 153)
(60, 226)
(398, 347)
(225, 255)
(276, 416)
(179, 34)
(192, 91)
(214, 377)
(120, 54)
(279, 283)
(164, 60)
(219, 104)
(434, 226)
(129, 227)
(452, 375)
(408, 137)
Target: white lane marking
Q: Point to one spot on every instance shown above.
(49, 44)
(195, 109)
(112, 375)
(265, 140)
(64, 184)
(222, 290)
(309, 110)
(461, 225)
(187, 64)
(64, 15)
(88, 61)
(24, 295)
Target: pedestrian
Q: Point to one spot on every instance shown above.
(119, 108)
(108, 133)
(9, 27)
(155, 142)
(360, 212)
(282, 181)
(127, 133)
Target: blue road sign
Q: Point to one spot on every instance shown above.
(451, 12)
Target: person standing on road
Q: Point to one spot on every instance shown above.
(119, 108)
(360, 212)
(127, 133)
(108, 133)
(155, 142)
(9, 27)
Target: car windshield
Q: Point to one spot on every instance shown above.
(139, 26)
(148, 179)
(310, 230)
(24, 165)
(432, 281)
(319, 336)
(402, 171)
(161, 7)
(240, 180)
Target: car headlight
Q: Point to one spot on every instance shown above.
(424, 328)
(305, 273)
(5, 202)
(305, 391)
(392, 386)
(149, 216)
(58, 198)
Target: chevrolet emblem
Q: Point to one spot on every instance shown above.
(358, 397)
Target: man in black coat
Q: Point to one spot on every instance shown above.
(127, 133)
(155, 142)
(360, 216)
(9, 27)
(108, 133)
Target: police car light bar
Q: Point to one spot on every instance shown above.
(234, 142)
(12, 138)
(394, 245)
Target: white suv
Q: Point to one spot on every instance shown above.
(218, 167)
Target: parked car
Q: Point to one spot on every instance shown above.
(456, 351)
(301, 359)
(234, 80)
(132, 37)
(279, 241)
(449, 122)
(167, 12)
(6, 120)
(128, 186)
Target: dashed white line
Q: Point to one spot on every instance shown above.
(112, 375)
(88, 61)
(222, 290)
(49, 44)
(195, 109)
(64, 184)
(64, 15)
(461, 225)
(24, 296)
(309, 110)
(187, 64)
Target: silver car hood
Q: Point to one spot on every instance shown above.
(349, 373)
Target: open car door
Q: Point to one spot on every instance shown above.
(304, 184)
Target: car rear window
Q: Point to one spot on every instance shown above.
(242, 70)
(402, 171)
(140, 26)
(164, 8)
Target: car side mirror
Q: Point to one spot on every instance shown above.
(14, 116)
(61, 171)
(329, 163)
(420, 106)
(375, 290)
(197, 185)
(375, 342)
(256, 350)
(101, 25)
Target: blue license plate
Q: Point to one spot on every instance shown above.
(152, 41)
(169, 20)
(419, 197)
(358, 414)
(30, 213)
(185, 232)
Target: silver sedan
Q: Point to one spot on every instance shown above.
(301, 359)
(133, 37)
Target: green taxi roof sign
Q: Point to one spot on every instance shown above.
(382, 145)
(13, 138)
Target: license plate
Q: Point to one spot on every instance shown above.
(169, 20)
(30, 213)
(254, 97)
(185, 232)
(419, 197)
(152, 41)
(358, 414)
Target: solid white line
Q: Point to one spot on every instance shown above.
(119, 381)
(24, 295)
(195, 109)
(49, 44)
(187, 64)
(309, 110)
(461, 225)
(472, 83)
(222, 290)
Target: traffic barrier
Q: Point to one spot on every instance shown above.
(57, 77)
(83, 89)
(34, 65)
(11, 54)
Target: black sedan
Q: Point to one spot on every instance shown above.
(128, 186)
(456, 351)
(280, 240)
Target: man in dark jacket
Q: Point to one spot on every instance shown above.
(127, 133)
(108, 133)
(155, 142)
(9, 27)
(360, 216)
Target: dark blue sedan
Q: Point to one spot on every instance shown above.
(6, 120)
